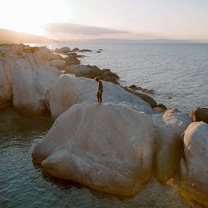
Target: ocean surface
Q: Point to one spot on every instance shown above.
(177, 72)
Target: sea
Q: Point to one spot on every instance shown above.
(177, 72)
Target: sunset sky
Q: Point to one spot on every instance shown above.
(132, 19)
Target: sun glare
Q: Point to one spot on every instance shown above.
(30, 16)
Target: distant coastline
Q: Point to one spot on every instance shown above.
(10, 36)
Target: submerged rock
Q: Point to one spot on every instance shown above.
(75, 50)
(85, 50)
(144, 90)
(169, 142)
(144, 97)
(200, 114)
(69, 90)
(160, 107)
(106, 147)
(194, 168)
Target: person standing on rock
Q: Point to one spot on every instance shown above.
(100, 89)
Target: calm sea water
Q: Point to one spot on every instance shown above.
(174, 70)
(23, 185)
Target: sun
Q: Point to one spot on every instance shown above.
(30, 16)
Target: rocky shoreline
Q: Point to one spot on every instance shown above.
(115, 147)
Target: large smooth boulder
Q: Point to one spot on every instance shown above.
(200, 114)
(8, 54)
(194, 167)
(69, 90)
(106, 147)
(25, 77)
(32, 77)
(169, 142)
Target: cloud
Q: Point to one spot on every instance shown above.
(77, 29)
(69, 31)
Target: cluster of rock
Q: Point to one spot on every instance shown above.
(72, 66)
(66, 50)
(115, 147)
(92, 72)
(26, 75)
(144, 90)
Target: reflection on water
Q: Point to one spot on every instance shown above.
(22, 184)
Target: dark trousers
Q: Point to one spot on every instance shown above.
(99, 97)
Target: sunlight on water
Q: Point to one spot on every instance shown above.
(22, 184)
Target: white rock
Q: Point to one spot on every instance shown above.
(25, 77)
(106, 147)
(32, 77)
(194, 167)
(169, 142)
(69, 90)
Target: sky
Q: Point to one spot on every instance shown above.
(131, 19)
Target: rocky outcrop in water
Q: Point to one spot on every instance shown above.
(169, 142)
(200, 114)
(144, 90)
(110, 132)
(106, 147)
(28, 74)
(64, 50)
(114, 147)
(91, 72)
(194, 169)
(81, 50)
(26, 77)
(72, 59)
(77, 90)
(144, 97)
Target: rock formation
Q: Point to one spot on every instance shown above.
(194, 168)
(114, 147)
(106, 147)
(69, 90)
(26, 76)
(200, 114)
(144, 97)
(63, 50)
(169, 142)
(92, 72)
